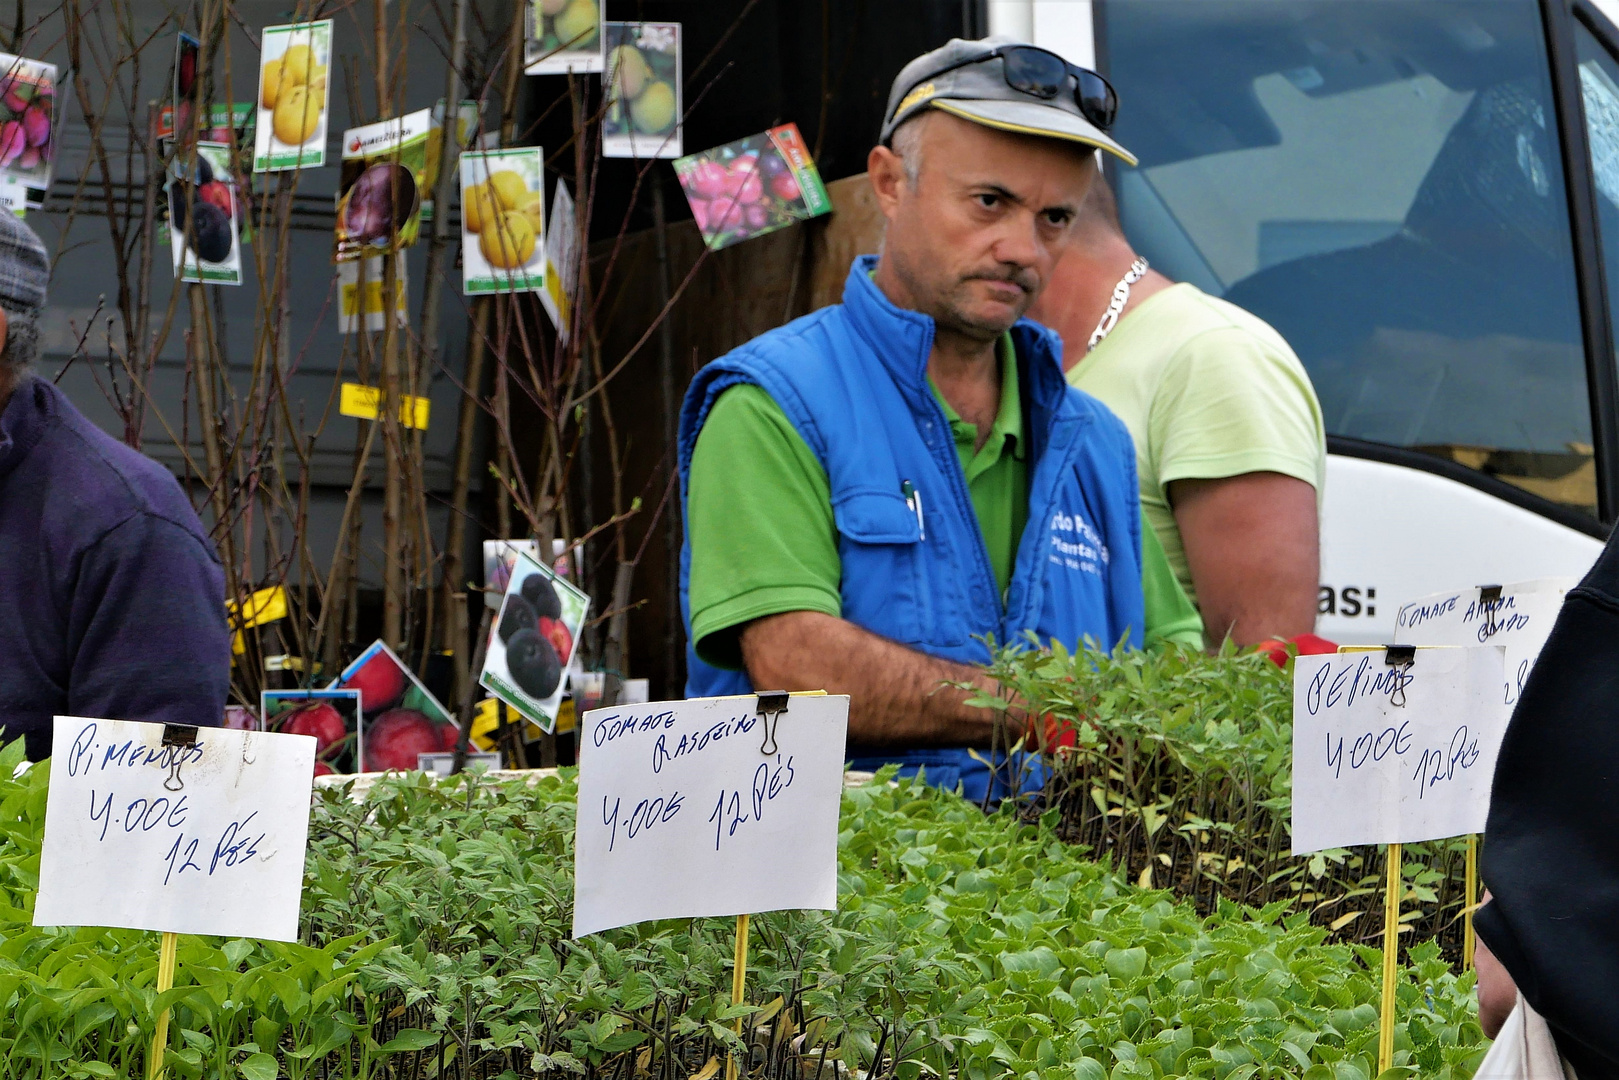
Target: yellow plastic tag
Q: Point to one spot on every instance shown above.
(364, 403)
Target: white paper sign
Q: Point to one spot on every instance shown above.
(681, 815)
(1521, 620)
(200, 839)
(1384, 755)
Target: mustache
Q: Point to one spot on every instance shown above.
(1022, 277)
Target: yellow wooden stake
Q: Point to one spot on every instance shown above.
(1391, 952)
(739, 975)
(165, 980)
(1469, 901)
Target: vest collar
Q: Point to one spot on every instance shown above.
(902, 339)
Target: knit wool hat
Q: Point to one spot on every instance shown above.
(25, 268)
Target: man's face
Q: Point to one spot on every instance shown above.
(975, 239)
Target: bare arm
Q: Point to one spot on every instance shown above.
(896, 696)
(1497, 993)
(1254, 547)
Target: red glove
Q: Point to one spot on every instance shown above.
(1303, 645)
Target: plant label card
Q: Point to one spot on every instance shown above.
(399, 717)
(331, 717)
(293, 98)
(752, 186)
(503, 221)
(1394, 754)
(1520, 619)
(29, 118)
(205, 215)
(644, 94)
(380, 185)
(348, 294)
(563, 36)
(533, 641)
(561, 261)
(184, 830)
(696, 808)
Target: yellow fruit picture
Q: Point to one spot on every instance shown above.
(272, 84)
(654, 110)
(507, 242)
(644, 95)
(295, 64)
(480, 205)
(534, 210)
(297, 115)
(510, 188)
(576, 26)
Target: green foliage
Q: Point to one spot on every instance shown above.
(435, 945)
(1181, 773)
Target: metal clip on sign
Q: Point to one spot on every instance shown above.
(1489, 598)
(1399, 657)
(772, 703)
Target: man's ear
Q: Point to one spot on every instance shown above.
(886, 171)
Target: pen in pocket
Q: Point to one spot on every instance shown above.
(913, 499)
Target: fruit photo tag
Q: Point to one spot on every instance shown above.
(533, 640)
(348, 295)
(645, 100)
(1394, 752)
(707, 807)
(29, 118)
(1518, 616)
(182, 830)
(330, 717)
(187, 51)
(204, 215)
(564, 36)
(399, 717)
(561, 261)
(379, 190)
(503, 221)
(499, 557)
(752, 186)
(293, 97)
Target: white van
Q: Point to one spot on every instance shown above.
(1423, 197)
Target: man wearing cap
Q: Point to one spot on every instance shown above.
(111, 596)
(873, 490)
(1230, 446)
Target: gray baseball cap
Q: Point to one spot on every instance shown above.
(1004, 83)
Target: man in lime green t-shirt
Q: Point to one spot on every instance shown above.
(1230, 445)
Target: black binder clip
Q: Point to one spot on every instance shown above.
(1489, 598)
(1400, 658)
(178, 737)
(772, 703)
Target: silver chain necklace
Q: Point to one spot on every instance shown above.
(1121, 296)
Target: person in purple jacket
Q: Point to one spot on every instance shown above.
(112, 599)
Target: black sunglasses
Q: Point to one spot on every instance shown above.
(1043, 74)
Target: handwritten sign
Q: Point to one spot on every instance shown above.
(1520, 618)
(681, 813)
(1385, 755)
(205, 838)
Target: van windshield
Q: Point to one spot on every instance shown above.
(1382, 183)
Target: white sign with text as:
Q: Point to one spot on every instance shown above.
(696, 808)
(1394, 754)
(1520, 619)
(193, 837)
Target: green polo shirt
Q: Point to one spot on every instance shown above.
(763, 540)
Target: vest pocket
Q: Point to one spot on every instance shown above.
(880, 545)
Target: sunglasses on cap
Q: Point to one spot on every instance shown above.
(1043, 74)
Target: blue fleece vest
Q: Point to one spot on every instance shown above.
(852, 380)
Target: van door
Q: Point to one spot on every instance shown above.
(1385, 184)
